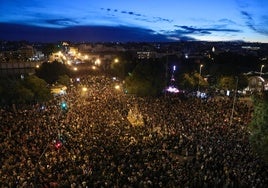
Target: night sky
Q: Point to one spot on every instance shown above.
(134, 21)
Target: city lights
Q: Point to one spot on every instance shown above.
(97, 62)
(116, 60)
(117, 87)
(84, 89)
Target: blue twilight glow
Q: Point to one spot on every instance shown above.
(136, 20)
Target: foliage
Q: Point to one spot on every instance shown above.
(50, 48)
(29, 90)
(64, 80)
(24, 95)
(39, 88)
(191, 81)
(146, 79)
(227, 83)
(231, 82)
(187, 81)
(242, 82)
(259, 125)
(118, 68)
(50, 72)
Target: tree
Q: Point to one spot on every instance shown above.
(50, 48)
(24, 95)
(29, 90)
(191, 81)
(64, 80)
(50, 72)
(117, 68)
(259, 125)
(242, 82)
(8, 94)
(38, 87)
(187, 81)
(227, 83)
(146, 79)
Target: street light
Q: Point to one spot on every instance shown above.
(116, 60)
(200, 69)
(261, 69)
(117, 87)
(84, 89)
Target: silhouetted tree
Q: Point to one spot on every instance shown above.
(50, 72)
(38, 87)
(64, 80)
(146, 79)
(50, 48)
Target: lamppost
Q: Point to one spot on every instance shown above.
(261, 69)
(232, 113)
(200, 69)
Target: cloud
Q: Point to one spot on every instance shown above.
(15, 32)
(62, 22)
(140, 17)
(202, 31)
(227, 21)
(260, 27)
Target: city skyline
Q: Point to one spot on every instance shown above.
(134, 21)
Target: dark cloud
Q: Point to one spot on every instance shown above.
(131, 13)
(264, 23)
(144, 18)
(202, 31)
(62, 22)
(16, 32)
(261, 27)
(247, 15)
(159, 19)
(227, 21)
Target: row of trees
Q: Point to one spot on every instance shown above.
(152, 76)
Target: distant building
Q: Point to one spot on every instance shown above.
(146, 55)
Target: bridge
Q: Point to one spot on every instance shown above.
(18, 68)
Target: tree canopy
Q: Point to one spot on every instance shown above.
(146, 79)
(31, 89)
(51, 72)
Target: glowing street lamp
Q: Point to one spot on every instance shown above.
(117, 87)
(84, 89)
(75, 68)
(116, 60)
(261, 69)
(97, 62)
(200, 70)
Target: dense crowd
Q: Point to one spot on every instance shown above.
(183, 142)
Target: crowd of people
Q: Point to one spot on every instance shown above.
(183, 141)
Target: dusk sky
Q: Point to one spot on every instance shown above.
(135, 20)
